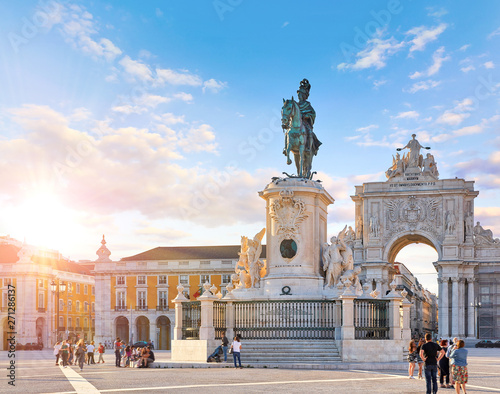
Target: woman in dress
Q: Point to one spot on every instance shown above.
(57, 349)
(421, 342)
(412, 358)
(459, 367)
(444, 366)
(80, 352)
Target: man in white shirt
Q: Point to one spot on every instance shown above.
(90, 353)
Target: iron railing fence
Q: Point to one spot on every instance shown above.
(286, 319)
(191, 319)
(219, 318)
(371, 319)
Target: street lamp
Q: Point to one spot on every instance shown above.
(57, 288)
(476, 304)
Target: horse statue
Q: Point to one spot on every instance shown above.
(297, 139)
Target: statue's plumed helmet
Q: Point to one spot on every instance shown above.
(305, 87)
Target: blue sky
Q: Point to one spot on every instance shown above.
(156, 123)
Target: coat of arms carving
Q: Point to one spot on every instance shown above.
(289, 213)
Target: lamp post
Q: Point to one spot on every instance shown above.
(57, 288)
(476, 304)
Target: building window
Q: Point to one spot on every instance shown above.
(184, 280)
(85, 289)
(93, 290)
(205, 279)
(141, 299)
(163, 299)
(40, 282)
(61, 305)
(70, 287)
(162, 280)
(61, 322)
(141, 280)
(7, 281)
(78, 288)
(78, 323)
(120, 299)
(70, 306)
(85, 323)
(226, 279)
(5, 299)
(120, 280)
(85, 306)
(41, 303)
(70, 325)
(77, 306)
(93, 307)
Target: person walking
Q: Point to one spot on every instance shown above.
(71, 349)
(128, 355)
(57, 349)
(431, 353)
(101, 350)
(80, 351)
(90, 353)
(225, 344)
(444, 366)
(236, 347)
(459, 368)
(117, 346)
(419, 358)
(64, 354)
(412, 358)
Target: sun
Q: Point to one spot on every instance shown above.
(42, 220)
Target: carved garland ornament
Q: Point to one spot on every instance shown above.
(289, 213)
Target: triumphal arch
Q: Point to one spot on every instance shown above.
(415, 206)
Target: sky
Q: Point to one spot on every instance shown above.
(156, 123)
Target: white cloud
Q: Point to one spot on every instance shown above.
(489, 65)
(199, 139)
(468, 68)
(438, 59)
(78, 28)
(375, 54)
(169, 118)
(424, 35)
(378, 83)
(136, 69)
(494, 33)
(158, 13)
(458, 114)
(464, 47)
(285, 24)
(165, 75)
(407, 115)
(214, 86)
(367, 128)
(141, 104)
(423, 85)
(184, 97)
(436, 13)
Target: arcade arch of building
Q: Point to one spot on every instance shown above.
(414, 206)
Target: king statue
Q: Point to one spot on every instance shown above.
(297, 119)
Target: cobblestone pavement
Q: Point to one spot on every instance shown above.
(36, 373)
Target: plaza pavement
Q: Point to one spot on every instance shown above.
(36, 373)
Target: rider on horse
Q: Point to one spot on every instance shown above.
(308, 116)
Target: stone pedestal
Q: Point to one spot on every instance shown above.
(296, 221)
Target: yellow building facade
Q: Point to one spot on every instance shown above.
(54, 297)
(134, 295)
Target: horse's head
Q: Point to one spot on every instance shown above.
(287, 113)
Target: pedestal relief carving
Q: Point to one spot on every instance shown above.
(288, 212)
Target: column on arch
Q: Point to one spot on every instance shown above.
(461, 307)
(470, 311)
(444, 318)
(454, 306)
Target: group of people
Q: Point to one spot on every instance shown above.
(67, 353)
(449, 360)
(133, 356)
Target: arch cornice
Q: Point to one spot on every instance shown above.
(398, 241)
